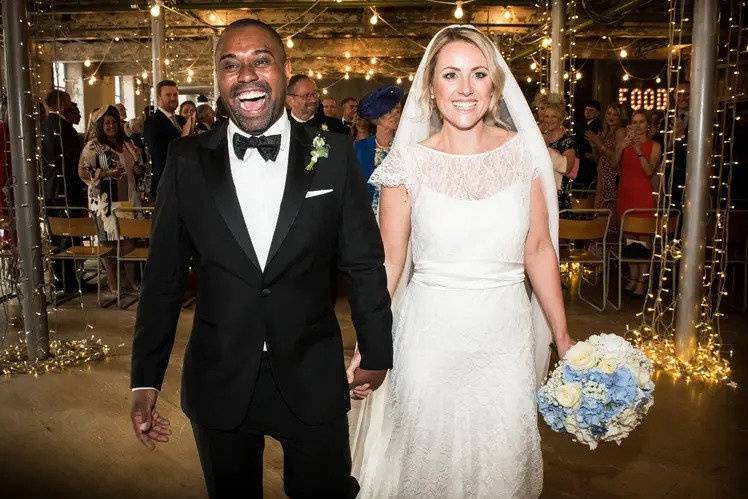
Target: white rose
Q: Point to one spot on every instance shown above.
(581, 356)
(568, 395)
(642, 377)
(608, 364)
(570, 424)
(627, 418)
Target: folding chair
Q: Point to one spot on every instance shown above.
(78, 227)
(131, 226)
(591, 227)
(632, 222)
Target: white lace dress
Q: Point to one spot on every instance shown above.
(458, 416)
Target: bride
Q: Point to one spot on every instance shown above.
(468, 207)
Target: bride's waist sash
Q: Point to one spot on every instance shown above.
(468, 275)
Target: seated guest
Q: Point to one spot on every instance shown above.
(383, 108)
(348, 107)
(303, 102)
(110, 165)
(206, 117)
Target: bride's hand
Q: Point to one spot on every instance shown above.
(356, 392)
(564, 345)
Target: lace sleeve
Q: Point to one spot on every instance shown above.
(392, 172)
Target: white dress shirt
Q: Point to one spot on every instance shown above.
(171, 117)
(259, 187)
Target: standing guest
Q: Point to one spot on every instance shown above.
(187, 110)
(382, 107)
(73, 114)
(330, 107)
(539, 104)
(558, 138)
(122, 110)
(110, 165)
(637, 156)
(206, 117)
(221, 114)
(348, 107)
(604, 149)
(587, 166)
(202, 99)
(361, 128)
(161, 128)
(302, 99)
(61, 150)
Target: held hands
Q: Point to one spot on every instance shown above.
(362, 382)
(148, 425)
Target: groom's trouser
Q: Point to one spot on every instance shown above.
(316, 458)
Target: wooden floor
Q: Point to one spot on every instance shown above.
(68, 434)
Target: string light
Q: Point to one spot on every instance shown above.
(410, 77)
(347, 68)
(324, 91)
(623, 53)
(92, 79)
(546, 42)
(289, 42)
(319, 75)
(373, 60)
(167, 62)
(374, 19)
(347, 54)
(155, 10)
(658, 80)
(310, 73)
(399, 81)
(367, 77)
(458, 13)
(87, 62)
(625, 77)
(144, 74)
(578, 75)
(533, 65)
(346, 76)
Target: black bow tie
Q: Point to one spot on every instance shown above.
(267, 145)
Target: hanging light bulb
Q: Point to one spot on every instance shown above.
(167, 62)
(87, 62)
(546, 42)
(374, 19)
(155, 10)
(138, 81)
(399, 81)
(566, 76)
(310, 73)
(347, 68)
(116, 38)
(534, 66)
(410, 77)
(578, 76)
(542, 91)
(212, 17)
(623, 53)
(289, 42)
(458, 11)
(319, 75)
(144, 74)
(373, 60)
(137, 91)
(92, 80)
(370, 72)
(367, 77)
(658, 80)
(189, 79)
(625, 77)
(529, 79)
(324, 91)
(346, 76)
(347, 54)
(190, 72)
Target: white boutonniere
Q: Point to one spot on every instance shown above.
(320, 149)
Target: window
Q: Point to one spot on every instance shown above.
(117, 89)
(58, 75)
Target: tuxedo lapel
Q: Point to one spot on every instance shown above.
(217, 171)
(298, 180)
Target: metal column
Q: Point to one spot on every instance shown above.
(698, 163)
(25, 191)
(557, 42)
(157, 42)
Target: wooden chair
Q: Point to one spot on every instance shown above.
(591, 226)
(587, 203)
(641, 222)
(79, 227)
(132, 223)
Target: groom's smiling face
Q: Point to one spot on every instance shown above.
(252, 72)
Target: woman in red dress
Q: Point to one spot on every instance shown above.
(638, 158)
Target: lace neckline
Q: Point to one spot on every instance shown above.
(471, 155)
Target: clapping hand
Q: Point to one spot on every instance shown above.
(189, 125)
(592, 137)
(362, 382)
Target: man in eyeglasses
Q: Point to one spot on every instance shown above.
(302, 100)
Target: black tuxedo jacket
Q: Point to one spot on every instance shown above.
(290, 305)
(323, 122)
(61, 151)
(158, 132)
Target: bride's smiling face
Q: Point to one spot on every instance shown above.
(461, 84)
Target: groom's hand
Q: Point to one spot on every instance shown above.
(366, 381)
(148, 425)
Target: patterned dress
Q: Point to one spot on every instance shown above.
(379, 154)
(563, 144)
(606, 191)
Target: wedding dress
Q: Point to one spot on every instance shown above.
(456, 416)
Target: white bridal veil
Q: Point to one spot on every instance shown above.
(415, 126)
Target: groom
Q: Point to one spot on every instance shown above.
(266, 212)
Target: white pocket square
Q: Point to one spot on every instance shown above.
(312, 194)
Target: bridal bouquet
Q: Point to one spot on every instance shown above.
(599, 391)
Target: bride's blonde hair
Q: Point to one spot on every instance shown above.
(484, 44)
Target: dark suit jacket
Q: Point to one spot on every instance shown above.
(289, 305)
(324, 123)
(158, 132)
(61, 151)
